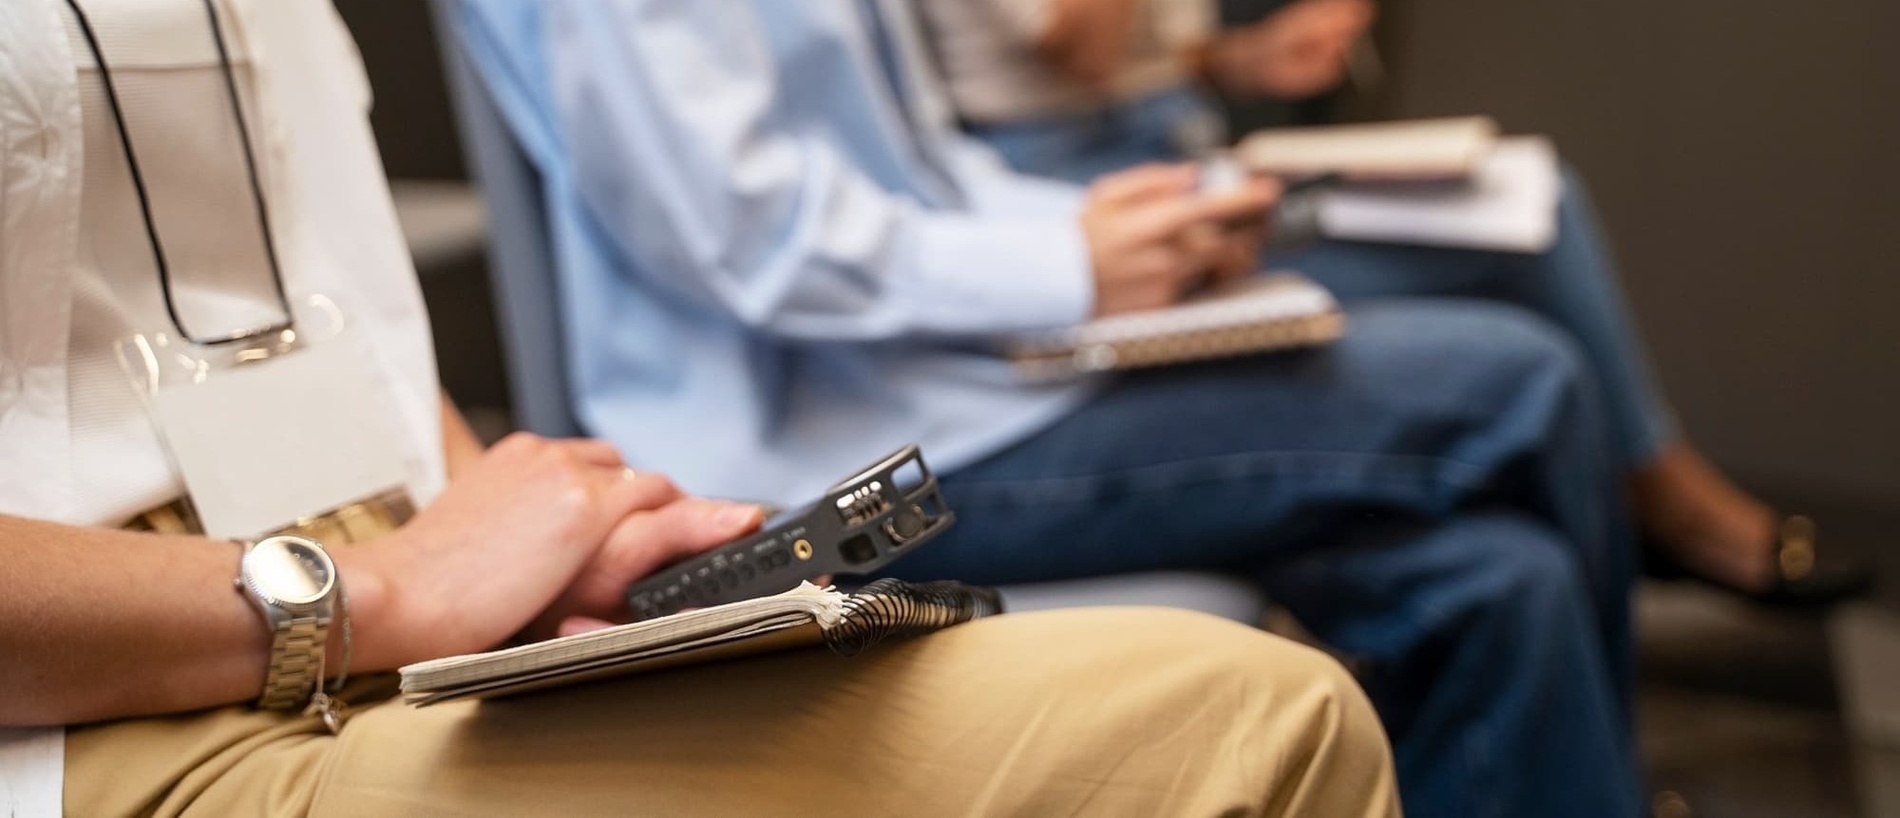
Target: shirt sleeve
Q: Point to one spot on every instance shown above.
(671, 111)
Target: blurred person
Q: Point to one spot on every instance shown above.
(776, 254)
(133, 203)
(1075, 89)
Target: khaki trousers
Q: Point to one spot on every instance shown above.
(1112, 711)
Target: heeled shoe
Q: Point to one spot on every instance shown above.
(1803, 577)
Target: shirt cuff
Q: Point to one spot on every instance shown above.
(985, 276)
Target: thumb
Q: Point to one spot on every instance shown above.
(695, 524)
(577, 625)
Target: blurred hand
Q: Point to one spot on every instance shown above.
(1297, 52)
(1239, 253)
(517, 538)
(1152, 238)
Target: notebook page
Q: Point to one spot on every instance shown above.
(807, 602)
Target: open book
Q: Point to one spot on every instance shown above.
(802, 617)
(1263, 313)
(1412, 150)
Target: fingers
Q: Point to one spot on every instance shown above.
(1353, 16)
(577, 625)
(629, 492)
(697, 524)
(1239, 258)
(624, 490)
(645, 541)
(1245, 202)
(594, 452)
(1202, 241)
(1143, 183)
(639, 545)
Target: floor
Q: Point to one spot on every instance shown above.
(1737, 712)
(1746, 713)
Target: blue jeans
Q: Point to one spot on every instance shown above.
(1574, 284)
(1431, 496)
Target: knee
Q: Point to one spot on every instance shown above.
(1270, 675)
(1195, 659)
(1259, 718)
(1321, 720)
(1521, 342)
(1497, 351)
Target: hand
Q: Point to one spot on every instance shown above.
(1297, 52)
(640, 545)
(1238, 255)
(507, 538)
(1151, 237)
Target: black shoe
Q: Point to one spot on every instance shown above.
(1805, 577)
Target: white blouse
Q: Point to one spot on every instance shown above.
(77, 275)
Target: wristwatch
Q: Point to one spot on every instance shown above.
(293, 583)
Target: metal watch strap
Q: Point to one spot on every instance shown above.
(296, 657)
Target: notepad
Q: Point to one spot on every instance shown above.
(1265, 313)
(802, 617)
(1509, 204)
(1414, 150)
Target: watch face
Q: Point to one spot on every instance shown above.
(290, 570)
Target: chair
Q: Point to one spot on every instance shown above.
(521, 271)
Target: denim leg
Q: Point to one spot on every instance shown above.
(1474, 636)
(1427, 409)
(1574, 284)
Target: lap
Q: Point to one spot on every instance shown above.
(1403, 364)
(1226, 464)
(990, 717)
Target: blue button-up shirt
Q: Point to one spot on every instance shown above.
(779, 259)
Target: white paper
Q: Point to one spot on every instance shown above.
(32, 771)
(266, 444)
(1510, 205)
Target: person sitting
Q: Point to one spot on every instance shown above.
(1074, 89)
(777, 257)
(140, 208)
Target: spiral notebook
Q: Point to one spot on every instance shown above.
(802, 617)
(1265, 313)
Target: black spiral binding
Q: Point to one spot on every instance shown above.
(895, 609)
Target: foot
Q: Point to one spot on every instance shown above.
(1706, 526)
(1694, 513)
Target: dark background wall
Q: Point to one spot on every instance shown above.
(1745, 155)
(414, 126)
